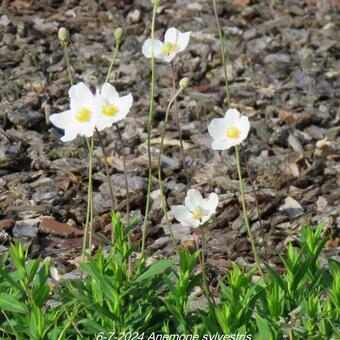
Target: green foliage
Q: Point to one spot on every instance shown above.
(117, 295)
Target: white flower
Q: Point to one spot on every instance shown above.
(80, 119)
(228, 131)
(174, 42)
(196, 210)
(110, 108)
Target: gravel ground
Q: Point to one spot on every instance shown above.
(284, 72)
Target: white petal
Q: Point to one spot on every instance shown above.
(183, 215)
(183, 40)
(244, 127)
(193, 200)
(109, 92)
(224, 145)
(80, 95)
(125, 103)
(205, 218)
(62, 120)
(70, 134)
(171, 35)
(85, 129)
(217, 129)
(211, 203)
(103, 122)
(232, 115)
(169, 57)
(147, 48)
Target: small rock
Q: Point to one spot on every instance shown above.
(180, 233)
(321, 204)
(160, 243)
(25, 117)
(276, 58)
(134, 16)
(4, 236)
(26, 228)
(51, 226)
(292, 207)
(7, 224)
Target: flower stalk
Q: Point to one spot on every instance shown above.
(63, 35)
(174, 81)
(114, 54)
(245, 213)
(150, 118)
(160, 181)
(237, 152)
(87, 241)
(125, 173)
(107, 172)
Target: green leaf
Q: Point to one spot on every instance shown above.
(10, 280)
(155, 269)
(264, 328)
(11, 304)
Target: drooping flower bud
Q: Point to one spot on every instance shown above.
(118, 33)
(184, 83)
(63, 34)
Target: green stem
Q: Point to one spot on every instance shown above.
(237, 153)
(245, 214)
(174, 81)
(125, 173)
(107, 172)
(259, 215)
(223, 56)
(164, 204)
(206, 289)
(113, 59)
(89, 213)
(147, 207)
(70, 78)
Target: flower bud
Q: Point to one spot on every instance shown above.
(118, 33)
(155, 2)
(184, 83)
(63, 34)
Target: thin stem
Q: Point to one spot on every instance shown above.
(113, 59)
(205, 285)
(89, 211)
(150, 116)
(220, 33)
(174, 82)
(256, 203)
(245, 214)
(70, 78)
(164, 204)
(107, 172)
(89, 200)
(125, 173)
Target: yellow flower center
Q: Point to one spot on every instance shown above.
(109, 110)
(233, 132)
(169, 48)
(197, 214)
(83, 115)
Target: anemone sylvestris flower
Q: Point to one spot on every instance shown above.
(174, 42)
(80, 118)
(196, 210)
(110, 108)
(88, 112)
(228, 131)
